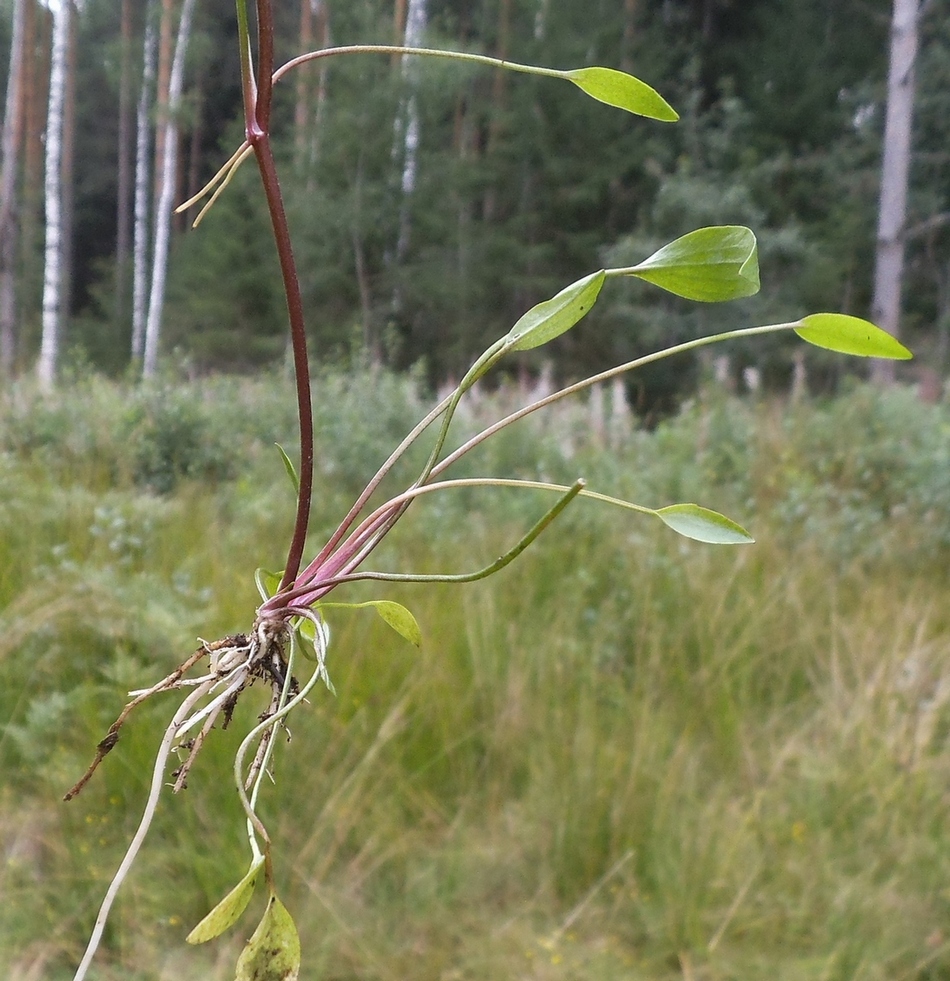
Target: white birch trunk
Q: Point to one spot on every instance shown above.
(416, 19)
(9, 155)
(895, 171)
(140, 223)
(163, 218)
(53, 192)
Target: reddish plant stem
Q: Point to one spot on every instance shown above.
(265, 63)
(258, 136)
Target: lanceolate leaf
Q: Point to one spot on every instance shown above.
(267, 582)
(308, 632)
(227, 912)
(851, 335)
(551, 318)
(703, 525)
(273, 952)
(710, 264)
(395, 614)
(623, 91)
(290, 468)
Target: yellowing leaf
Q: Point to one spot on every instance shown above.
(851, 335)
(623, 91)
(227, 912)
(273, 952)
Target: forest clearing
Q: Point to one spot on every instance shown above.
(702, 736)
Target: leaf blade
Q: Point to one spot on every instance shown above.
(553, 317)
(267, 583)
(851, 335)
(229, 910)
(710, 265)
(702, 525)
(290, 468)
(394, 614)
(273, 952)
(623, 91)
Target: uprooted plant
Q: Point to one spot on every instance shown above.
(707, 265)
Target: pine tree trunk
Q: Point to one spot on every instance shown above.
(166, 195)
(193, 170)
(9, 158)
(303, 85)
(321, 10)
(142, 195)
(53, 192)
(499, 81)
(124, 159)
(895, 171)
(35, 85)
(399, 26)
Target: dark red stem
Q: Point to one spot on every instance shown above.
(258, 136)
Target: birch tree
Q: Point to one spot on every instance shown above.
(407, 124)
(166, 192)
(140, 233)
(9, 156)
(895, 172)
(124, 161)
(53, 193)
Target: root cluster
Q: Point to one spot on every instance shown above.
(234, 663)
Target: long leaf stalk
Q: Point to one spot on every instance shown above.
(335, 566)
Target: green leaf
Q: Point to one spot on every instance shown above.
(703, 525)
(267, 582)
(710, 264)
(290, 468)
(851, 335)
(551, 318)
(227, 912)
(273, 952)
(308, 632)
(395, 614)
(623, 91)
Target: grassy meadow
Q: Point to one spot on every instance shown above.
(627, 756)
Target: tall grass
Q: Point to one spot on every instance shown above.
(627, 756)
